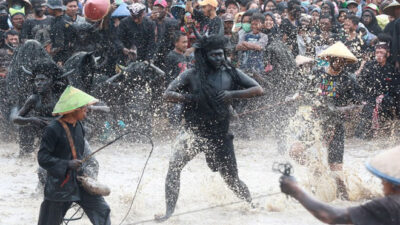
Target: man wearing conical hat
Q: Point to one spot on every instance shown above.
(381, 211)
(333, 91)
(60, 154)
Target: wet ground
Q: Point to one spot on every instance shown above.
(121, 164)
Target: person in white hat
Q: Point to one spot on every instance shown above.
(334, 90)
(381, 211)
(210, 23)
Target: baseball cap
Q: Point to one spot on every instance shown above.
(227, 17)
(213, 3)
(351, 2)
(163, 3)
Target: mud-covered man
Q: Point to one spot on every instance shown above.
(206, 92)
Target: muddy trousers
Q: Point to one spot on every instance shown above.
(224, 163)
(95, 207)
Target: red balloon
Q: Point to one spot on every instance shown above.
(96, 9)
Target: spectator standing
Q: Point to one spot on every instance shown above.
(136, 34)
(209, 22)
(39, 26)
(17, 18)
(252, 45)
(164, 31)
(380, 89)
(71, 11)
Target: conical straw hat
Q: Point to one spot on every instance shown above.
(389, 10)
(301, 60)
(338, 50)
(72, 99)
(386, 165)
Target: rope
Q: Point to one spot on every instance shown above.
(140, 179)
(207, 208)
(66, 221)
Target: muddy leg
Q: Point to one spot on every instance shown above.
(172, 183)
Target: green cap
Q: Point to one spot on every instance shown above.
(72, 99)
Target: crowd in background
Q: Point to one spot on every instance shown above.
(266, 39)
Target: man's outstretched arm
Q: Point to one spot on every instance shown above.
(172, 93)
(322, 211)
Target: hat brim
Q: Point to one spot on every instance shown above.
(348, 60)
(381, 175)
(72, 110)
(55, 7)
(389, 10)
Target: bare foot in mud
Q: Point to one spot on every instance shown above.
(162, 218)
(342, 190)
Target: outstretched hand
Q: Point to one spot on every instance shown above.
(288, 185)
(39, 122)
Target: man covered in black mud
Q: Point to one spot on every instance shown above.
(38, 27)
(35, 114)
(206, 92)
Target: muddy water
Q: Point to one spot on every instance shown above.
(121, 164)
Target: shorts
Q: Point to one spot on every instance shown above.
(218, 150)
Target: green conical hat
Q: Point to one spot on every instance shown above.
(72, 99)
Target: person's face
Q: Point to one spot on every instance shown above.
(138, 18)
(80, 113)
(342, 17)
(12, 40)
(232, 9)
(337, 64)
(284, 14)
(17, 21)
(253, 6)
(42, 83)
(296, 12)
(367, 18)
(353, 8)
(39, 9)
(207, 9)
(325, 24)
(381, 55)
(269, 22)
(315, 17)
(256, 26)
(387, 188)
(246, 19)
(71, 9)
(278, 19)
(216, 58)
(159, 12)
(397, 12)
(228, 26)
(270, 6)
(326, 10)
(182, 44)
(349, 26)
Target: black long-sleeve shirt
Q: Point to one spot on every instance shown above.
(140, 35)
(208, 26)
(375, 80)
(53, 156)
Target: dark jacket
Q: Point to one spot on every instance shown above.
(140, 35)
(375, 80)
(53, 156)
